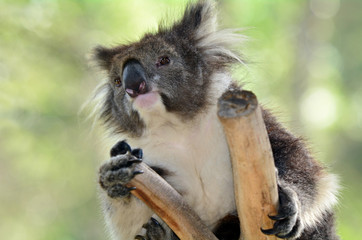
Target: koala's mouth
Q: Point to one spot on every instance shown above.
(137, 90)
(143, 96)
(146, 100)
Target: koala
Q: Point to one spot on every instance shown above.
(159, 98)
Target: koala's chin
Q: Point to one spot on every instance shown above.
(148, 102)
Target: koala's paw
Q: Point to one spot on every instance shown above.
(119, 170)
(154, 231)
(287, 221)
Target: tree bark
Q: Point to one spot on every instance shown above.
(252, 162)
(169, 205)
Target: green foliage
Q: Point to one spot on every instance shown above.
(305, 63)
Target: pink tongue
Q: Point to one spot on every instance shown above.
(129, 91)
(146, 100)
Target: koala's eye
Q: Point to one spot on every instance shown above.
(118, 81)
(163, 61)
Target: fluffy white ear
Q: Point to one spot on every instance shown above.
(205, 18)
(102, 56)
(198, 21)
(199, 26)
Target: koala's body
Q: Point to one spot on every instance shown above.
(160, 96)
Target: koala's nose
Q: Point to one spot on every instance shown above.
(134, 78)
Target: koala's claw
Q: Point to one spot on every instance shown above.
(139, 237)
(155, 231)
(115, 174)
(280, 216)
(137, 172)
(130, 162)
(155, 222)
(293, 233)
(274, 231)
(287, 222)
(138, 153)
(122, 147)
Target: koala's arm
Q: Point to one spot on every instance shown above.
(124, 213)
(306, 191)
(303, 179)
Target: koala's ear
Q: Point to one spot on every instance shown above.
(199, 20)
(103, 57)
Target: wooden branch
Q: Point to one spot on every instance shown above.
(252, 161)
(169, 205)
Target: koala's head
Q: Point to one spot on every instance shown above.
(172, 67)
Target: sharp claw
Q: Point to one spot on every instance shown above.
(139, 237)
(278, 217)
(120, 148)
(283, 236)
(155, 221)
(129, 163)
(131, 188)
(138, 153)
(271, 231)
(137, 172)
(292, 233)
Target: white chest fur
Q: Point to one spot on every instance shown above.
(197, 157)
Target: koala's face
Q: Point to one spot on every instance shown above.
(171, 67)
(160, 65)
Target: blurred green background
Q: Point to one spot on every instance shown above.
(306, 65)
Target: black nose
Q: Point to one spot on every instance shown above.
(134, 78)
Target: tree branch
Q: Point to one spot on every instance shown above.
(169, 205)
(252, 162)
